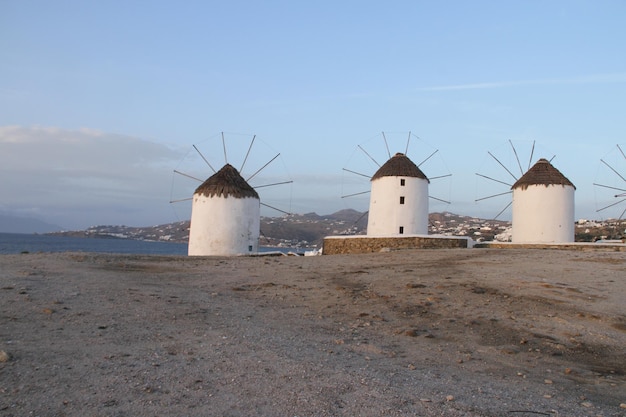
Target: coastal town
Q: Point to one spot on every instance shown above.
(308, 230)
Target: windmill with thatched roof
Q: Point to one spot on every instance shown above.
(226, 207)
(543, 206)
(225, 216)
(399, 199)
(399, 190)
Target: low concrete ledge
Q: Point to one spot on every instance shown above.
(582, 246)
(336, 245)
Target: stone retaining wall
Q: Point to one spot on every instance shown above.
(335, 245)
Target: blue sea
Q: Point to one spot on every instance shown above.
(33, 243)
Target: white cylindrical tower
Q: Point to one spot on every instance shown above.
(543, 206)
(225, 216)
(399, 199)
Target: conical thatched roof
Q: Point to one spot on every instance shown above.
(399, 166)
(542, 173)
(228, 183)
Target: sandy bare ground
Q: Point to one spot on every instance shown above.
(473, 332)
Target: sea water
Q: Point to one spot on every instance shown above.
(33, 243)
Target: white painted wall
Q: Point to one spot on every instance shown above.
(386, 214)
(224, 226)
(543, 214)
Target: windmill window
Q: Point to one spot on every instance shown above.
(402, 200)
(401, 230)
(402, 182)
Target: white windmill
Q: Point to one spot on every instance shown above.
(398, 190)
(542, 200)
(226, 207)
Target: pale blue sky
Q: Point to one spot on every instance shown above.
(140, 82)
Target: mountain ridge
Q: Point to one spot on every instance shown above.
(17, 224)
(298, 230)
(309, 229)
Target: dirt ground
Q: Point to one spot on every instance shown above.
(467, 332)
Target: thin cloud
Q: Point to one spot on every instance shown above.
(589, 79)
(81, 177)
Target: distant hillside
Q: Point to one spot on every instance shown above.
(309, 229)
(17, 224)
(290, 230)
(303, 230)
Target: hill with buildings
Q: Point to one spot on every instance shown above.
(309, 230)
(301, 230)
